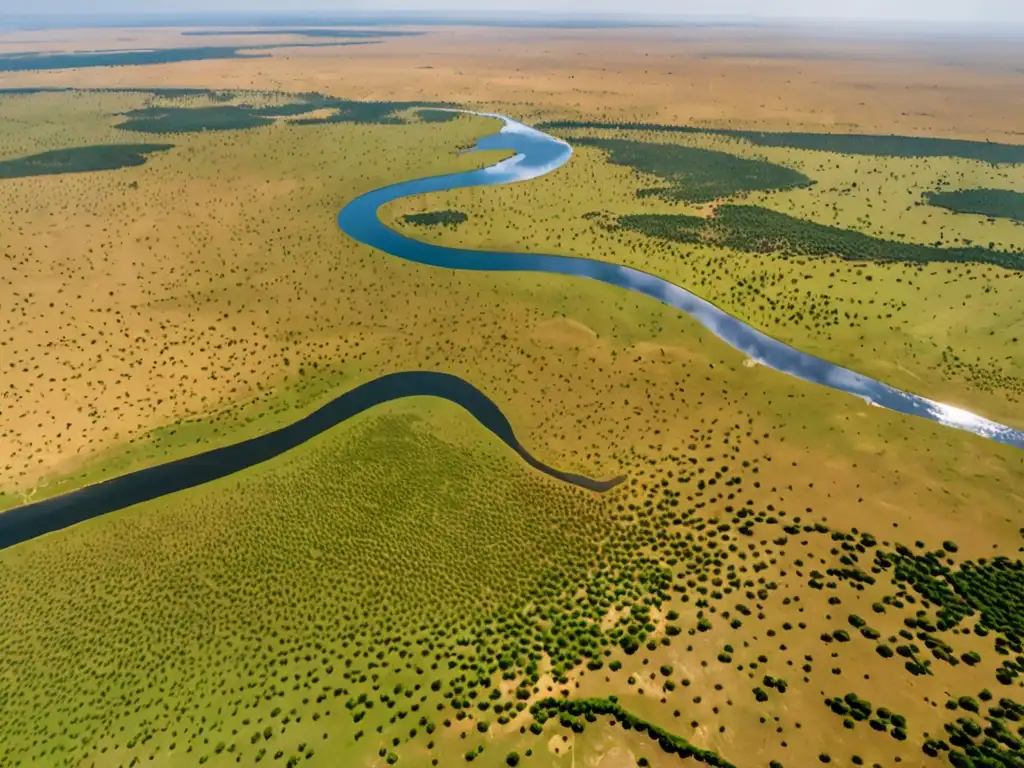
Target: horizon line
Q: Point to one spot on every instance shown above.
(440, 16)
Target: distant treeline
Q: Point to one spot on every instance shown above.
(379, 112)
(227, 117)
(164, 93)
(105, 157)
(322, 32)
(843, 143)
(34, 61)
(759, 230)
(697, 175)
(997, 203)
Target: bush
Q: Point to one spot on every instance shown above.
(968, 703)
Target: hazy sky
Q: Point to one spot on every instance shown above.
(991, 12)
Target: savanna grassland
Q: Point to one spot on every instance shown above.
(947, 325)
(788, 576)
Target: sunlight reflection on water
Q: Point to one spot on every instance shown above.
(537, 154)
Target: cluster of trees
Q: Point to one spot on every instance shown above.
(445, 218)
(970, 744)
(755, 229)
(221, 117)
(232, 117)
(676, 227)
(994, 588)
(590, 709)
(19, 62)
(379, 112)
(102, 157)
(996, 203)
(853, 709)
(697, 175)
(840, 143)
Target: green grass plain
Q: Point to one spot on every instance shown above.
(408, 537)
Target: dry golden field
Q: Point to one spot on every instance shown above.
(769, 78)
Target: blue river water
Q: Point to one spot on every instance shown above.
(536, 154)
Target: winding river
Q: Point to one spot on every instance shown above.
(536, 154)
(32, 520)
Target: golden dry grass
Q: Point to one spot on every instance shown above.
(145, 296)
(727, 76)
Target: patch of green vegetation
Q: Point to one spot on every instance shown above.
(842, 143)
(854, 709)
(436, 115)
(36, 61)
(886, 146)
(995, 203)
(190, 119)
(377, 112)
(446, 218)
(106, 157)
(677, 227)
(992, 588)
(696, 175)
(759, 230)
(973, 744)
(230, 117)
(163, 93)
(571, 709)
